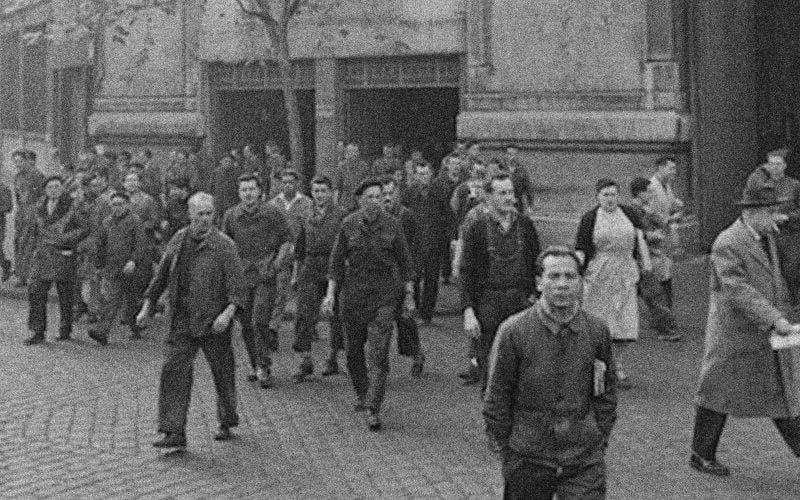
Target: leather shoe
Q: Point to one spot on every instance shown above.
(171, 440)
(100, 339)
(36, 338)
(305, 370)
(265, 378)
(708, 466)
(223, 434)
(419, 363)
(471, 375)
(331, 368)
(360, 403)
(374, 421)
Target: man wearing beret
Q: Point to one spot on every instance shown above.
(740, 374)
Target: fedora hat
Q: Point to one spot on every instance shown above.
(759, 191)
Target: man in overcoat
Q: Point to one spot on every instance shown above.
(740, 375)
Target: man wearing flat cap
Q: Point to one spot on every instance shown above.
(740, 374)
(787, 189)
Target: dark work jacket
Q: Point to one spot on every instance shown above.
(122, 239)
(57, 236)
(584, 240)
(410, 224)
(314, 243)
(217, 281)
(476, 260)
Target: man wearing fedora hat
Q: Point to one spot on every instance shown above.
(740, 375)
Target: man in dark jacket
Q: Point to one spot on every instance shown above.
(497, 268)
(203, 272)
(371, 264)
(550, 403)
(6, 206)
(28, 189)
(57, 229)
(121, 251)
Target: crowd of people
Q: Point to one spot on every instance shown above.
(366, 250)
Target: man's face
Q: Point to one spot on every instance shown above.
(388, 151)
(119, 206)
(390, 196)
(201, 216)
(351, 152)
(289, 186)
(503, 195)
(453, 168)
(461, 147)
(54, 189)
(177, 193)
(560, 282)
(98, 184)
(423, 174)
(667, 170)
(131, 183)
(776, 166)
(247, 152)
(249, 192)
(371, 199)
(19, 161)
(474, 150)
(321, 194)
(511, 153)
(416, 155)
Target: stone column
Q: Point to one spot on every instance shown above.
(328, 97)
(662, 78)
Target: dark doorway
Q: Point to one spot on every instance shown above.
(778, 28)
(71, 112)
(255, 116)
(416, 118)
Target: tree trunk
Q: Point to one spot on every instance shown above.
(290, 103)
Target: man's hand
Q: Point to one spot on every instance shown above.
(222, 322)
(409, 307)
(144, 315)
(783, 327)
(471, 325)
(129, 268)
(327, 305)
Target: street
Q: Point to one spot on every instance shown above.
(77, 421)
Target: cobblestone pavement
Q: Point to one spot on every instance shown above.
(77, 420)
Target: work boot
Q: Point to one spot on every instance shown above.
(331, 368)
(419, 363)
(223, 433)
(265, 378)
(36, 338)
(98, 337)
(360, 403)
(171, 440)
(305, 370)
(136, 332)
(471, 375)
(374, 421)
(708, 466)
(272, 339)
(252, 376)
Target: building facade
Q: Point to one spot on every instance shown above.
(585, 89)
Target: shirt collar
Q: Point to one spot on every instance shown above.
(750, 230)
(576, 324)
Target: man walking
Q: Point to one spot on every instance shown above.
(121, 254)
(668, 208)
(312, 251)
(740, 374)
(263, 241)
(57, 230)
(203, 273)
(550, 402)
(369, 263)
(28, 189)
(497, 268)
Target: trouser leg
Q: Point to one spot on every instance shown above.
(337, 330)
(790, 431)
(132, 302)
(355, 333)
(263, 306)
(708, 425)
(37, 305)
(662, 316)
(110, 300)
(283, 290)
(379, 339)
(66, 296)
(495, 307)
(175, 387)
(587, 482)
(218, 351)
(667, 286)
(527, 481)
(309, 298)
(430, 287)
(446, 260)
(253, 343)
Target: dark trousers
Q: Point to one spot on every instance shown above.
(37, 302)
(657, 296)
(667, 286)
(175, 388)
(426, 288)
(116, 293)
(446, 260)
(495, 307)
(529, 480)
(254, 318)
(310, 293)
(369, 373)
(708, 426)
